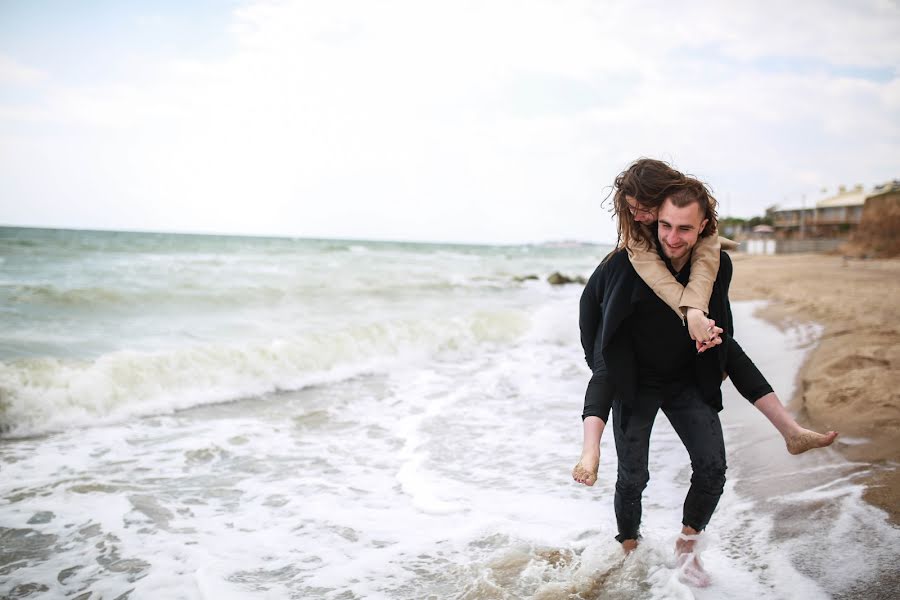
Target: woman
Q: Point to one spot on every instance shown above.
(638, 193)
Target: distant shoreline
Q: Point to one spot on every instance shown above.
(542, 243)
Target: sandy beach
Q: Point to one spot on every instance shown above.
(851, 379)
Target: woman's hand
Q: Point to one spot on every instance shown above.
(703, 330)
(713, 341)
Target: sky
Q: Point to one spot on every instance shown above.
(483, 121)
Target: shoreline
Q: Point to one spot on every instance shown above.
(849, 382)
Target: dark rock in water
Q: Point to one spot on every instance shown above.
(558, 278)
(521, 278)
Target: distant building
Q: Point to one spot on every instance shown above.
(760, 240)
(890, 189)
(835, 217)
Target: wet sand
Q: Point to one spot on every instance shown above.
(850, 381)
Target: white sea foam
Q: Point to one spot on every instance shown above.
(852, 441)
(446, 478)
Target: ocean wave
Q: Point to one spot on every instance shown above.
(40, 395)
(50, 294)
(212, 293)
(20, 243)
(190, 292)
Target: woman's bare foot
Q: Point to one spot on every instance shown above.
(629, 546)
(586, 470)
(805, 439)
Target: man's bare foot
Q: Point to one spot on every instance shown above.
(691, 571)
(586, 470)
(687, 559)
(629, 546)
(805, 439)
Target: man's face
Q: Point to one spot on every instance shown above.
(679, 229)
(641, 213)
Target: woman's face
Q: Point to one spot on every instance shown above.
(639, 212)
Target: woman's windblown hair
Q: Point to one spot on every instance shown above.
(650, 182)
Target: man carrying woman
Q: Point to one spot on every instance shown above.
(656, 329)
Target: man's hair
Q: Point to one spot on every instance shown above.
(693, 191)
(650, 182)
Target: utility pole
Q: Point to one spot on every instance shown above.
(802, 217)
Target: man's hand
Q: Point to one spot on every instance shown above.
(702, 330)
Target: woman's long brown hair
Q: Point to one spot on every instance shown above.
(650, 182)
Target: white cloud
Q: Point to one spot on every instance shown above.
(15, 73)
(473, 121)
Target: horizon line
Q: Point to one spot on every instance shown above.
(301, 237)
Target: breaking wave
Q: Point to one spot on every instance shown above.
(39, 395)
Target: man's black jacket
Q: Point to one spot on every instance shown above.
(607, 302)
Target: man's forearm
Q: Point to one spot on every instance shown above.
(589, 318)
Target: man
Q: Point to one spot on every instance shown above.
(643, 360)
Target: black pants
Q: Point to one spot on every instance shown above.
(698, 426)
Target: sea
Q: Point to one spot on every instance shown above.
(226, 417)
